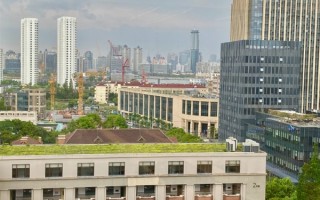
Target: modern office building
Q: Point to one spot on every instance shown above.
(286, 21)
(194, 51)
(131, 172)
(288, 138)
(66, 54)
(29, 51)
(256, 75)
(50, 61)
(101, 63)
(182, 107)
(88, 61)
(137, 59)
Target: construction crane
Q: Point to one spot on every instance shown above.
(52, 82)
(116, 52)
(80, 92)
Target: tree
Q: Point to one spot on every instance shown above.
(309, 180)
(183, 136)
(113, 121)
(280, 188)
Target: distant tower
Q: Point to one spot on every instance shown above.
(1, 65)
(88, 61)
(29, 51)
(66, 54)
(194, 51)
(137, 58)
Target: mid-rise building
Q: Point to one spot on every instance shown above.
(101, 63)
(66, 54)
(30, 116)
(50, 58)
(131, 172)
(12, 63)
(256, 75)
(29, 51)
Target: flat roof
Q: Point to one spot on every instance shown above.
(7, 150)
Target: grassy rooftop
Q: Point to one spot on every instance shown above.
(7, 150)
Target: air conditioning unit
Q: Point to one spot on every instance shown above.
(231, 144)
(116, 190)
(251, 146)
(228, 187)
(173, 188)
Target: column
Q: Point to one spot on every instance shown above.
(131, 193)
(101, 193)
(243, 191)
(189, 192)
(37, 194)
(4, 194)
(69, 193)
(191, 127)
(161, 192)
(199, 129)
(218, 191)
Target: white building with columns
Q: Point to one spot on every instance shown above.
(163, 175)
(29, 51)
(66, 54)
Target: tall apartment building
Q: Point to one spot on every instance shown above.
(194, 51)
(256, 75)
(88, 61)
(66, 54)
(29, 51)
(287, 21)
(137, 58)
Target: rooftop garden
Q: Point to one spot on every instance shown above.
(7, 150)
(292, 116)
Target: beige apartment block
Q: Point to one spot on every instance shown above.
(133, 176)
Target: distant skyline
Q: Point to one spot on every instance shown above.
(156, 26)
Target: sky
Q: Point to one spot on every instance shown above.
(158, 26)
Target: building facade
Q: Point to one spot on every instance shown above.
(133, 176)
(66, 54)
(29, 51)
(285, 21)
(196, 115)
(1, 65)
(288, 138)
(12, 63)
(21, 115)
(137, 59)
(88, 61)
(194, 51)
(256, 75)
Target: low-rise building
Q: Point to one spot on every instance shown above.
(21, 115)
(184, 108)
(131, 172)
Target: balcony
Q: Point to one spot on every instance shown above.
(146, 198)
(203, 197)
(231, 197)
(180, 197)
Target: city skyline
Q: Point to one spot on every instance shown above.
(157, 28)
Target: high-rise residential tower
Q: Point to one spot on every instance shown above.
(1, 65)
(137, 58)
(66, 54)
(286, 20)
(29, 51)
(194, 51)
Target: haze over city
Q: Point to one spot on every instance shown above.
(158, 27)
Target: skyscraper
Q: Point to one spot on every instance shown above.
(194, 51)
(66, 54)
(29, 51)
(137, 58)
(88, 61)
(287, 21)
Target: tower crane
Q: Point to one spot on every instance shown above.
(52, 82)
(116, 52)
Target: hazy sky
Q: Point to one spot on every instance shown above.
(158, 26)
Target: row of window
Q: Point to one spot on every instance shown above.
(118, 168)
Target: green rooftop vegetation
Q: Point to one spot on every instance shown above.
(7, 150)
(293, 116)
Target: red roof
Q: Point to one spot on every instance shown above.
(106, 136)
(27, 140)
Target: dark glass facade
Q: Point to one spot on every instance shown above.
(256, 75)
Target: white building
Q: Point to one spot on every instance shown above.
(66, 55)
(26, 116)
(137, 59)
(1, 65)
(190, 174)
(29, 51)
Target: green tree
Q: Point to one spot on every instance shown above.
(280, 188)
(182, 136)
(113, 98)
(309, 180)
(113, 121)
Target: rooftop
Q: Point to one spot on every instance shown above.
(294, 118)
(7, 150)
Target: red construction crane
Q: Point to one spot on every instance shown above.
(124, 65)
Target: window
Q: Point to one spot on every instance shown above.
(116, 168)
(146, 168)
(175, 167)
(204, 167)
(85, 169)
(54, 170)
(21, 171)
(233, 166)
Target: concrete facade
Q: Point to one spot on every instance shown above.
(21, 115)
(217, 184)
